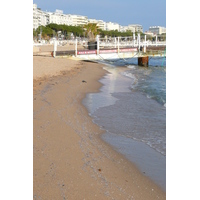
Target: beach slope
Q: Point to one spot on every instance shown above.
(70, 161)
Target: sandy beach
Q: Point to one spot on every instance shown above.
(70, 160)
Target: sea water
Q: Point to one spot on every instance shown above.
(131, 108)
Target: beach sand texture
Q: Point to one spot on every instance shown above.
(70, 161)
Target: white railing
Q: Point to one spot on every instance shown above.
(128, 42)
(116, 42)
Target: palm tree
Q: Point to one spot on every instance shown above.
(91, 31)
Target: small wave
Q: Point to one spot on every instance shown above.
(149, 97)
(129, 74)
(160, 150)
(132, 76)
(131, 66)
(159, 100)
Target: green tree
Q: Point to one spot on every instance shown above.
(91, 31)
(46, 31)
(116, 33)
(34, 33)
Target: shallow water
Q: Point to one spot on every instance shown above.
(131, 108)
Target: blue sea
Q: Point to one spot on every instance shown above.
(131, 108)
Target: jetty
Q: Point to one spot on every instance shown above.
(115, 48)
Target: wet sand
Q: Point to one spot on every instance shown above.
(70, 161)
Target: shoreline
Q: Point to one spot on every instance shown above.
(102, 106)
(84, 166)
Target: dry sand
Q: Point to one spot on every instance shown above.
(70, 161)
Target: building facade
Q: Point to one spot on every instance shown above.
(100, 23)
(40, 18)
(35, 21)
(112, 26)
(78, 20)
(58, 17)
(135, 28)
(44, 18)
(157, 30)
(123, 28)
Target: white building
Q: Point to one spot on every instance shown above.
(71, 20)
(135, 28)
(40, 18)
(148, 33)
(44, 18)
(157, 29)
(58, 17)
(123, 28)
(100, 23)
(112, 26)
(35, 21)
(78, 20)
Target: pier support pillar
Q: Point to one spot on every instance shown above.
(139, 42)
(54, 48)
(97, 45)
(143, 61)
(118, 45)
(156, 40)
(145, 43)
(76, 47)
(133, 39)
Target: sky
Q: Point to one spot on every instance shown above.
(144, 12)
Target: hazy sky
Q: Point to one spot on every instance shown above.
(145, 12)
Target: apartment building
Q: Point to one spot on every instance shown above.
(78, 20)
(100, 23)
(40, 18)
(58, 17)
(35, 21)
(112, 26)
(148, 33)
(157, 30)
(123, 28)
(135, 28)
